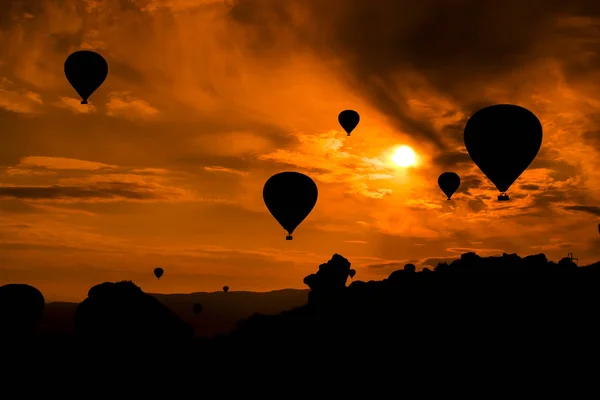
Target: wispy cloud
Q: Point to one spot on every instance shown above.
(129, 107)
(225, 170)
(75, 106)
(18, 100)
(63, 164)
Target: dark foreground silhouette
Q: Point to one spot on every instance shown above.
(472, 315)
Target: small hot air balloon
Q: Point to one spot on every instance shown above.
(158, 272)
(86, 70)
(502, 141)
(290, 197)
(226, 289)
(449, 183)
(198, 308)
(348, 119)
(352, 272)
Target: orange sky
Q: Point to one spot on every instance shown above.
(206, 99)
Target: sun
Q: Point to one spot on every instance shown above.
(404, 157)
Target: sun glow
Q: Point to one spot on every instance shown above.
(404, 157)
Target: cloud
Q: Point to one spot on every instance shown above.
(63, 164)
(75, 106)
(110, 191)
(225, 170)
(594, 210)
(126, 106)
(18, 100)
(75, 181)
(328, 160)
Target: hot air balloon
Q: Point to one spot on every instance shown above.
(198, 308)
(290, 197)
(449, 183)
(352, 272)
(158, 272)
(502, 141)
(86, 70)
(226, 289)
(348, 119)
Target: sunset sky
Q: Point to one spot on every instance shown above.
(206, 99)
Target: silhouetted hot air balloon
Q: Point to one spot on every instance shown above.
(449, 183)
(226, 289)
(348, 119)
(158, 272)
(86, 70)
(290, 197)
(198, 308)
(502, 141)
(352, 272)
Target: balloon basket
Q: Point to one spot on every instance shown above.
(503, 197)
(84, 102)
(288, 237)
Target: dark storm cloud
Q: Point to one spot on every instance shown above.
(594, 210)
(114, 190)
(457, 45)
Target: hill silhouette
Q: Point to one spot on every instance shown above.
(220, 314)
(485, 311)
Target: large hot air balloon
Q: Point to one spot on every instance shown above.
(86, 70)
(449, 183)
(158, 272)
(290, 197)
(197, 308)
(348, 119)
(502, 141)
(226, 289)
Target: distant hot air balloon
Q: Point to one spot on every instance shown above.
(348, 119)
(198, 308)
(86, 70)
(502, 141)
(290, 197)
(352, 272)
(449, 183)
(158, 272)
(226, 289)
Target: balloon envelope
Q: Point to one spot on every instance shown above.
(225, 289)
(352, 272)
(502, 141)
(86, 70)
(449, 183)
(348, 119)
(158, 272)
(198, 308)
(290, 197)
